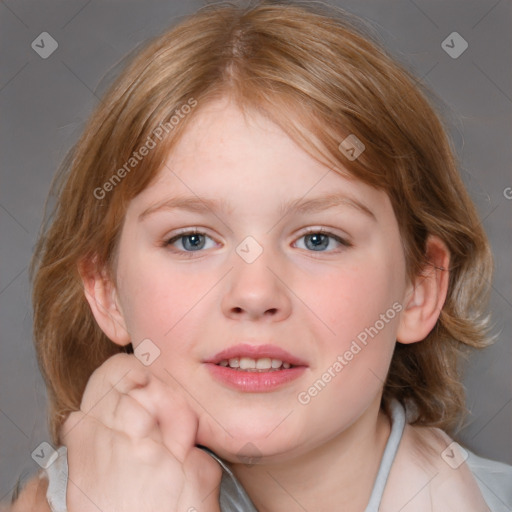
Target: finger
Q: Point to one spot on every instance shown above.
(120, 411)
(131, 418)
(121, 373)
(177, 420)
(202, 482)
(70, 424)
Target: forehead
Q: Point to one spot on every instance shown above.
(221, 129)
(229, 156)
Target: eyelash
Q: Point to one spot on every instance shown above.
(309, 231)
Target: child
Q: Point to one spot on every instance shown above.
(260, 277)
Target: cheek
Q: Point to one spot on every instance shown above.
(157, 302)
(353, 362)
(353, 298)
(360, 306)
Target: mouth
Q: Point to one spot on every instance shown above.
(248, 364)
(256, 358)
(255, 368)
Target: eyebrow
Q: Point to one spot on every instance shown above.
(204, 205)
(325, 202)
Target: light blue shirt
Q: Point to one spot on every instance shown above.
(494, 478)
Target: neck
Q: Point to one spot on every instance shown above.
(338, 475)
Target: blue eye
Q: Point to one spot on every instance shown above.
(318, 240)
(191, 241)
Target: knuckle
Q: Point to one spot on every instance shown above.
(72, 421)
(202, 468)
(119, 374)
(113, 365)
(132, 418)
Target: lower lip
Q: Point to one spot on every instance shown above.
(254, 382)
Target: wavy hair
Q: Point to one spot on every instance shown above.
(316, 72)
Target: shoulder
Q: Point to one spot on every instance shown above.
(430, 473)
(495, 480)
(32, 497)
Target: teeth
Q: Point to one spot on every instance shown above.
(250, 364)
(264, 364)
(246, 363)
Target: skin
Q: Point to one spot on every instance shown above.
(311, 303)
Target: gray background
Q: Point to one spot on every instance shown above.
(45, 102)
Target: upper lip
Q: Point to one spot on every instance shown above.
(256, 352)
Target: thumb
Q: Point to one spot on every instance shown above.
(177, 421)
(202, 482)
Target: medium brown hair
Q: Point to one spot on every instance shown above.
(312, 70)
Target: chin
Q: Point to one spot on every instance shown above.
(254, 422)
(247, 452)
(249, 442)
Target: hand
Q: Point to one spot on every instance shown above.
(131, 446)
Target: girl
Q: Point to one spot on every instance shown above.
(260, 276)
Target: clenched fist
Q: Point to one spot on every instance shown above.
(131, 446)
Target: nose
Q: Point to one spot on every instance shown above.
(257, 290)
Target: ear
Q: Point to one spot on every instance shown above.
(426, 295)
(101, 294)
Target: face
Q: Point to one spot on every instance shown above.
(262, 267)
